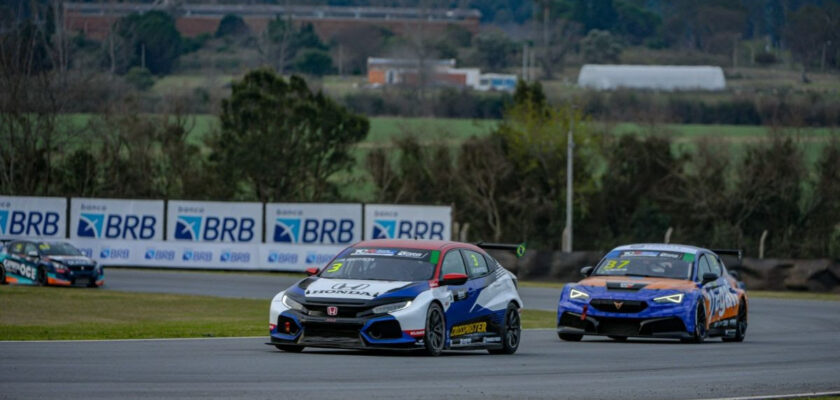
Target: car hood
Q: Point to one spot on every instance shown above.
(72, 260)
(349, 289)
(633, 283)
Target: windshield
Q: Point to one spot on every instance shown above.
(658, 264)
(383, 264)
(58, 249)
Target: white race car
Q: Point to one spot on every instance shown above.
(402, 294)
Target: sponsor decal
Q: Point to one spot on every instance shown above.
(108, 253)
(407, 229)
(275, 257)
(411, 254)
(228, 256)
(477, 327)
(214, 229)
(314, 230)
(28, 223)
(416, 333)
(159, 255)
(670, 255)
(116, 226)
(373, 252)
(356, 289)
(721, 299)
(318, 258)
(21, 269)
(196, 256)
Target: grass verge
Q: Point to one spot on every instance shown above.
(36, 313)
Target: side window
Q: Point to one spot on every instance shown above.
(476, 263)
(704, 267)
(17, 248)
(715, 264)
(492, 264)
(452, 264)
(29, 247)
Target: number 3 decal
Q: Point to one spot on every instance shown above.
(335, 267)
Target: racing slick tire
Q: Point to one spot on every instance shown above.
(740, 327)
(618, 338)
(289, 347)
(700, 331)
(570, 337)
(41, 278)
(434, 337)
(511, 331)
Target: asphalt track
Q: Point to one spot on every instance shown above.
(792, 346)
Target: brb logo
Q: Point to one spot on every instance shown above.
(235, 256)
(311, 230)
(108, 253)
(212, 229)
(276, 257)
(196, 256)
(155, 254)
(116, 226)
(29, 223)
(406, 229)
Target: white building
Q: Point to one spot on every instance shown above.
(652, 77)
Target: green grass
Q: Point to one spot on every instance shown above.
(37, 313)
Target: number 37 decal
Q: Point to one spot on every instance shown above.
(616, 265)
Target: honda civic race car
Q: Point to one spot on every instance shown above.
(402, 294)
(655, 290)
(48, 263)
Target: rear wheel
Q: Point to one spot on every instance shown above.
(435, 334)
(511, 331)
(42, 277)
(741, 326)
(570, 337)
(618, 338)
(289, 347)
(700, 332)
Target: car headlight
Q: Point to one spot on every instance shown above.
(671, 298)
(391, 307)
(578, 294)
(293, 304)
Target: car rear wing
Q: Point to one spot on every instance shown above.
(730, 252)
(518, 249)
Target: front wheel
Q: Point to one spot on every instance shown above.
(700, 332)
(435, 334)
(289, 347)
(511, 331)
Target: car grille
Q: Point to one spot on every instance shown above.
(81, 268)
(344, 334)
(618, 326)
(618, 306)
(344, 311)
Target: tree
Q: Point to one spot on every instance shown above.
(282, 41)
(150, 41)
(813, 35)
(595, 14)
(600, 47)
(494, 50)
(279, 141)
(313, 62)
(232, 25)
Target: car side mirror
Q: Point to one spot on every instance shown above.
(586, 271)
(32, 254)
(311, 271)
(709, 277)
(454, 279)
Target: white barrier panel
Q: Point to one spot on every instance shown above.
(214, 221)
(116, 219)
(43, 217)
(384, 221)
(306, 223)
(274, 257)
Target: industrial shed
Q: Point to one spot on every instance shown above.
(652, 77)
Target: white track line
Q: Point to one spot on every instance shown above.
(780, 396)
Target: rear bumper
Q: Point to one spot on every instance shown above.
(383, 331)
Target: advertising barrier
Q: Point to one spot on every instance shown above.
(384, 221)
(308, 223)
(214, 221)
(44, 217)
(108, 219)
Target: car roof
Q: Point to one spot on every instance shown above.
(663, 247)
(414, 244)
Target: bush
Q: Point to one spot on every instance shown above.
(765, 58)
(139, 77)
(232, 25)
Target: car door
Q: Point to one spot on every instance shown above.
(480, 317)
(18, 265)
(458, 311)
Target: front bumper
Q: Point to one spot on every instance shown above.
(77, 277)
(655, 321)
(377, 331)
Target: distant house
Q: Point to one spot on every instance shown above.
(441, 72)
(652, 77)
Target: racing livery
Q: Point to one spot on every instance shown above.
(29, 262)
(402, 294)
(655, 290)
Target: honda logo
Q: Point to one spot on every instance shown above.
(618, 304)
(342, 286)
(332, 311)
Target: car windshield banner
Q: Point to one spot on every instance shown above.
(44, 217)
(109, 219)
(313, 224)
(213, 221)
(408, 222)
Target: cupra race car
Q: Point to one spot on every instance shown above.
(402, 294)
(29, 262)
(655, 290)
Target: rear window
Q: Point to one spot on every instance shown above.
(386, 264)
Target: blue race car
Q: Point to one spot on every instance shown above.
(657, 291)
(28, 262)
